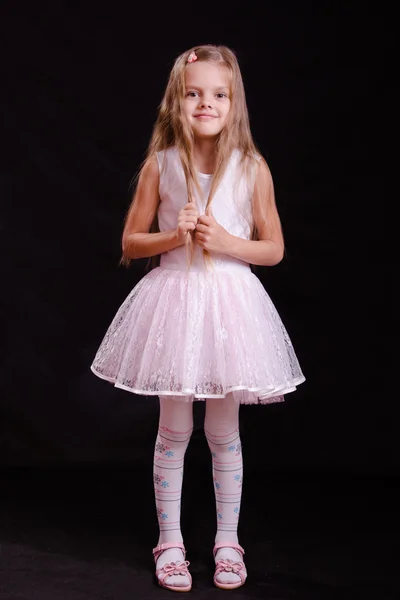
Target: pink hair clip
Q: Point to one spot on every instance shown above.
(192, 57)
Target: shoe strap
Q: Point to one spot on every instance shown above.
(161, 547)
(228, 545)
(173, 569)
(237, 568)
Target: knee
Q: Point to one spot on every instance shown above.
(225, 441)
(221, 418)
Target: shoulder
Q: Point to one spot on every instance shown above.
(250, 159)
(253, 166)
(167, 156)
(148, 173)
(263, 171)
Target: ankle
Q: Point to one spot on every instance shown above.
(168, 537)
(226, 536)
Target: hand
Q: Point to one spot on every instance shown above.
(187, 220)
(210, 235)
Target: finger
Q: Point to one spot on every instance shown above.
(186, 224)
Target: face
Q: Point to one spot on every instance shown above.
(207, 100)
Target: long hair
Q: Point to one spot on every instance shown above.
(172, 129)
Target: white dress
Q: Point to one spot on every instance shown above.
(200, 333)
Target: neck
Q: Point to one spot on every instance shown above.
(204, 154)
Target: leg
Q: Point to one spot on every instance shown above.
(221, 428)
(175, 429)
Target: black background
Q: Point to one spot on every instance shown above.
(81, 84)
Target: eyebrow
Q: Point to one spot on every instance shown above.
(198, 87)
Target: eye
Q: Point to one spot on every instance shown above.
(222, 95)
(192, 94)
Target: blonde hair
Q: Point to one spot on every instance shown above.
(172, 129)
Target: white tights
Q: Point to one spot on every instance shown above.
(221, 427)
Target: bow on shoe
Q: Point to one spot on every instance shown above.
(176, 568)
(230, 566)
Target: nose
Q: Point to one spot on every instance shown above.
(206, 103)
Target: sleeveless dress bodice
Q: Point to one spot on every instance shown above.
(231, 207)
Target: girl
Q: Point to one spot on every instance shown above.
(200, 325)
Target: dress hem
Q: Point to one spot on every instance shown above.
(276, 393)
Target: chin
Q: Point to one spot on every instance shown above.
(203, 133)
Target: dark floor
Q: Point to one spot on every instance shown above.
(85, 533)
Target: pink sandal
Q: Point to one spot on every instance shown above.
(172, 568)
(230, 566)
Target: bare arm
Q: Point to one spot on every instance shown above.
(269, 249)
(137, 242)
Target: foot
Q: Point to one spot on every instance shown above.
(230, 572)
(172, 557)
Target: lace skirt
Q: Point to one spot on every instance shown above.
(199, 335)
